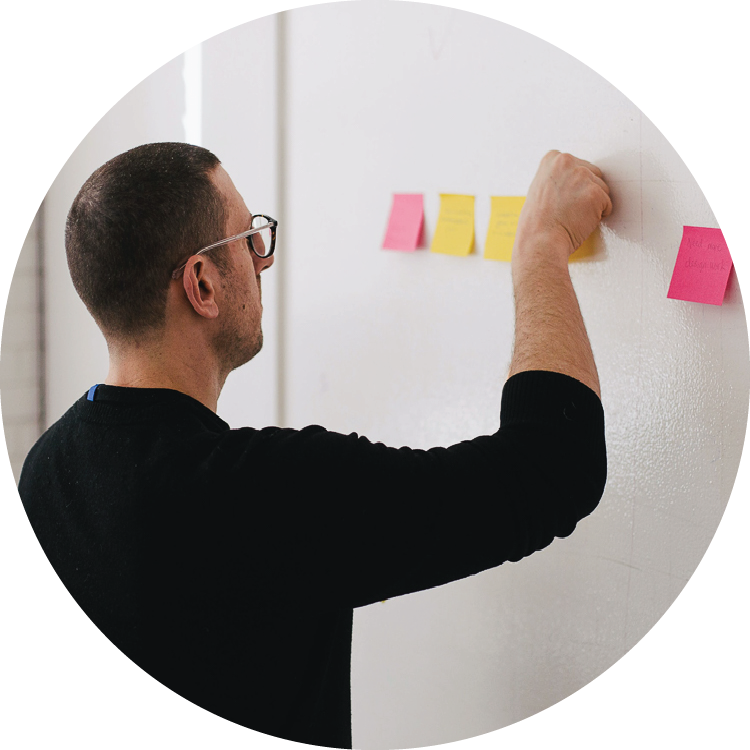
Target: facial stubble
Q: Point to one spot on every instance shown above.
(235, 344)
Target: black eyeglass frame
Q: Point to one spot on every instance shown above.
(272, 223)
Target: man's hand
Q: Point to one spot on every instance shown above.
(565, 203)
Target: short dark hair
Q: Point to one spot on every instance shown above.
(132, 223)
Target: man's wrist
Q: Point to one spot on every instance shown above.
(548, 248)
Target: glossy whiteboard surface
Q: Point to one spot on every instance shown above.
(413, 349)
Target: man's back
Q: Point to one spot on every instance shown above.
(184, 575)
(226, 563)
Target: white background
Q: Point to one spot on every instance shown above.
(64, 68)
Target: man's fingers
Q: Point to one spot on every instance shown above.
(600, 182)
(602, 185)
(562, 162)
(598, 172)
(577, 162)
(583, 163)
(607, 206)
(607, 209)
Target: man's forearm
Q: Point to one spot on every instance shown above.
(550, 333)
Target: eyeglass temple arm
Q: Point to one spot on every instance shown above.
(272, 223)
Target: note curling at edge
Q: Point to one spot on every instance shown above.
(702, 268)
(406, 223)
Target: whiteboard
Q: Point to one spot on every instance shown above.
(413, 349)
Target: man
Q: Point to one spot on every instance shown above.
(227, 563)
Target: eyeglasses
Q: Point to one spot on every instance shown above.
(261, 239)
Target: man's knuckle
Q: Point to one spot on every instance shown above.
(567, 160)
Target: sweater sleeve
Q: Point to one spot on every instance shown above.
(379, 522)
(358, 522)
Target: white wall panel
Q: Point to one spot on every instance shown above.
(76, 351)
(413, 349)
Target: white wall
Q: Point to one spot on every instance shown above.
(413, 349)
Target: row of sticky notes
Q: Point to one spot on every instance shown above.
(454, 233)
(701, 271)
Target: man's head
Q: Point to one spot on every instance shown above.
(131, 223)
(141, 215)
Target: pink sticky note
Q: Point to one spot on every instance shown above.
(405, 223)
(702, 268)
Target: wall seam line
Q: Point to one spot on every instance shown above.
(281, 187)
(41, 312)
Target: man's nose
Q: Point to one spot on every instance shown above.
(262, 263)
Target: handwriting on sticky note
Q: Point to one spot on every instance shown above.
(405, 222)
(454, 234)
(701, 271)
(501, 233)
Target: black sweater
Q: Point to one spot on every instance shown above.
(226, 563)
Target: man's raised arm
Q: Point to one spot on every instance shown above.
(566, 201)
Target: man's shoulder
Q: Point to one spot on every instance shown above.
(64, 425)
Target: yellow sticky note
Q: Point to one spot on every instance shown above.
(504, 213)
(586, 250)
(454, 234)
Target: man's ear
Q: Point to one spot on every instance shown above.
(198, 280)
